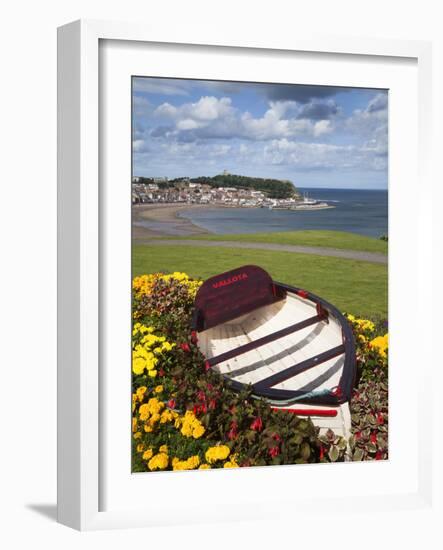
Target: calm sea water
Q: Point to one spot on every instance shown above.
(356, 211)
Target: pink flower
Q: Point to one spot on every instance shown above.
(257, 424)
(207, 366)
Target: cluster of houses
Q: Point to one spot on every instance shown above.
(187, 192)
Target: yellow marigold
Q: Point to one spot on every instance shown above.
(167, 416)
(204, 467)
(137, 435)
(190, 464)
(134, 424)
(152, 373)
(219, 452)
(158, 462)
(198, 431)
(140, 447)
(147, 454)
(380, 343)
(148, 428)
(164, 449)
(144, 412)
(232, 463)
(138, 365)
(155, 406)
(140, 393)
(158, 389)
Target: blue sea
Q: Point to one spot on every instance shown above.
(357, 211)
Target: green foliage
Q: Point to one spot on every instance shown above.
(276, 189)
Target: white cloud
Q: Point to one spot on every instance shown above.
(212, 117)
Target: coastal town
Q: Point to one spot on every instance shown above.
(160, 190)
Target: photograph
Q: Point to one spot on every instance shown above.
(259, 274)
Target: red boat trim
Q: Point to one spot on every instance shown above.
(308, 412)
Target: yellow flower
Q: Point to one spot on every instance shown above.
(140, 447)
(198, 431)
(138, 365)
(190, 464)
(164, 449)
(147, 454)
(380, 343)
(144, 411)
(140, 393)
(152, 373)
(134, 424)
(158, 389)
(219, 452)
(137, 435)
(148, 428)
(158, 462)
(204, 467)
(231, 463)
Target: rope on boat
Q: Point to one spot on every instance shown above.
(310, 394)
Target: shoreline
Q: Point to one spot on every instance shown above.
(163, 220)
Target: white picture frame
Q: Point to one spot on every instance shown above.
(80, 264)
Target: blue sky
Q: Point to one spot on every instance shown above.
(315, 136)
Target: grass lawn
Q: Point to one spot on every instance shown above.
(352, 286)
(327, 239)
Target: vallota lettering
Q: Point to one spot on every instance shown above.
(230, 280)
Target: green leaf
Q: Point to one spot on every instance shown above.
(333, 453)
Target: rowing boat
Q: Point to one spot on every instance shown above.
(291, 347)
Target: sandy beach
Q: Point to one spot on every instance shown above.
(158, 220)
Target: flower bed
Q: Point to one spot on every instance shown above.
(186, 417)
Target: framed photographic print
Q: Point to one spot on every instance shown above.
(232, 229)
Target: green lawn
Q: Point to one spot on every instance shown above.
(328, 239)
(353, 286)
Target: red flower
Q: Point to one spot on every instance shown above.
(171, 403)
(201, 395)
(207, 366)
(161, 372)
(194, 338)
(257, 424)
(373, 437)
(212, 403)
(378, 455)
(232, 434)
(199, 409)
(274, 451)
(185, 347)
(357, 435)
(380, 418)
(322, 452)
(276, 437)
(209, 386)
